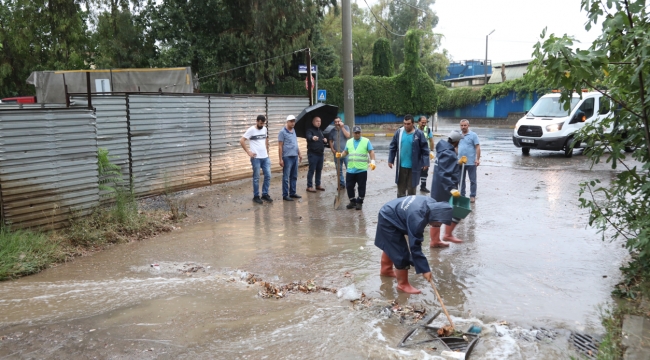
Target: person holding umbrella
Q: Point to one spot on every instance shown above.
(446, 175)
(315, 151)
(400, 232)
(359, 149)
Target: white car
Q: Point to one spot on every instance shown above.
(547, 126)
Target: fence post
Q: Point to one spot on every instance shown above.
(128, 134)
(210, 133)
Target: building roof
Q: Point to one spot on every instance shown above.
(466, 78)
(513, 70)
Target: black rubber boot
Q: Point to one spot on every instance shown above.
(359, 204)
(351, 205)
(423, 188)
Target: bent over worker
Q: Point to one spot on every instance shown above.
(358, 149)
(446, 174)
(407, 216)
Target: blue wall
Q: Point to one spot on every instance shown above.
(467, 68)
(378, 118)
(495, 108)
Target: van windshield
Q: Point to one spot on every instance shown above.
(551, 107)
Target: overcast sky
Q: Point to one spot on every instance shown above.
(517, 25)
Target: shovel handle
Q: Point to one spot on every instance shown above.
(441, 303)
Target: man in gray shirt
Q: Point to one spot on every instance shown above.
(338, 138)
(290, 157)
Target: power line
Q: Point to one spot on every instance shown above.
(257, 62)
(414, 7)
(380, 23)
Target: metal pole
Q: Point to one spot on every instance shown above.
(348, 81)
(90, 100)
(486, 58)
(309, 89)
(316, 92)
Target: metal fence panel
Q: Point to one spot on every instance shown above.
(170, 142)
(48, 165)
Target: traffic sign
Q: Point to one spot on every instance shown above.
(312, 83)
(302, 69)
(322, 95)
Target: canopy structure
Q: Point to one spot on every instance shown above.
(50, 85)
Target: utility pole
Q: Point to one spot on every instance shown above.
(309, 84)
(346, 58)
(486, 58)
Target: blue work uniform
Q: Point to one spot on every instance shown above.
(446, 172)
(408, 216)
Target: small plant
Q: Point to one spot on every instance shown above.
(110, 175)
(24, 252)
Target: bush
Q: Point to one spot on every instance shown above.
(24, 252)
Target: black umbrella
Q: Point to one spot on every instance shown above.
(325, 112)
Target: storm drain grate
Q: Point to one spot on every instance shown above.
(586, 344)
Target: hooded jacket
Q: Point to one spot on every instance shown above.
(446, 171)
(419, 154)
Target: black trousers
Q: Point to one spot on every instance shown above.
(354, 179)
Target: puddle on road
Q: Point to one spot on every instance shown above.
(527, 259)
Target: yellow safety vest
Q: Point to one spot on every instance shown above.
(426, 132)
(358, 158)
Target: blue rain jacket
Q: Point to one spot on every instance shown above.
(446, 172)
(419, 154)
(409, 216)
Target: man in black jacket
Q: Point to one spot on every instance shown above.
(315, 148)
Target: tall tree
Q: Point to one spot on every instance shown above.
(40, 35)
(215, 36)
(382, 58)
(122, 40)
(410, 14)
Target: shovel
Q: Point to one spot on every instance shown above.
(337, 199)
(434, 290)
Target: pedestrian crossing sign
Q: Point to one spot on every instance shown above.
(322, 95)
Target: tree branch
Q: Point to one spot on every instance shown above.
(646, 130)
(593, 198)
(623, 105)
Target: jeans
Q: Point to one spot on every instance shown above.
(289, 175)
(470, 170)
(265, 164)
(315, 165)
(357, 179)
(342, 161)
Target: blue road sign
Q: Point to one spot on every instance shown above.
(302, 69)
(322, 95)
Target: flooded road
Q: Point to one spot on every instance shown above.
(528, 261)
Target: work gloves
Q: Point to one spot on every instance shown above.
(372, 165)
(455, 193)
(462, 160)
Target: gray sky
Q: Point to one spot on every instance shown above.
(517, 25)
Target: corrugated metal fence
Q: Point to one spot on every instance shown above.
(162, 142)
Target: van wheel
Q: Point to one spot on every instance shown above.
(629, 149)
(568, 150)
(525, 150)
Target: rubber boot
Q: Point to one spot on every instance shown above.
(359, 204)
(403, 282)
(434, 232)
(386, 266)
(423, 188)
(449, 236)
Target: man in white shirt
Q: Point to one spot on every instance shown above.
(258, 139)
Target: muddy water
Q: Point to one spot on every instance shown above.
(528, 260)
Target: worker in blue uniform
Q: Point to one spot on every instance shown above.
(400, 231)
(446, 175)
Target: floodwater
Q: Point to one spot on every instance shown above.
(528, 261)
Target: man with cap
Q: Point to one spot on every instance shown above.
(407, 216)
(258, 140)
(409, 151)
(446, 175)
(359, 150)
(338, 138)
(290, 157)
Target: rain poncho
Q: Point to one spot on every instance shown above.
(408, 216)
(446, 172)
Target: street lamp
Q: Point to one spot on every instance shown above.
(486, 59)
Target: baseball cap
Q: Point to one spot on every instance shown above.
(455, 136)
(356, 128)
(291, 118)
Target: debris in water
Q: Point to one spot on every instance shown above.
(447, 331)
(412, 313)
(271, 290)
(349, 292)
(201, 206)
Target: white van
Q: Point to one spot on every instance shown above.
(547, 126)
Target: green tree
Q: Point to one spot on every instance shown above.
(218, 35)
(409, 14)
(122, 41)
(40, 35)
(617, 61)
(382, 58)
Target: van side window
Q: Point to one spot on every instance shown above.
(604, 106)
(588, 107)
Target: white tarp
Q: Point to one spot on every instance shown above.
(50, 84)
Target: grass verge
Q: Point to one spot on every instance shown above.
(25, 252)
